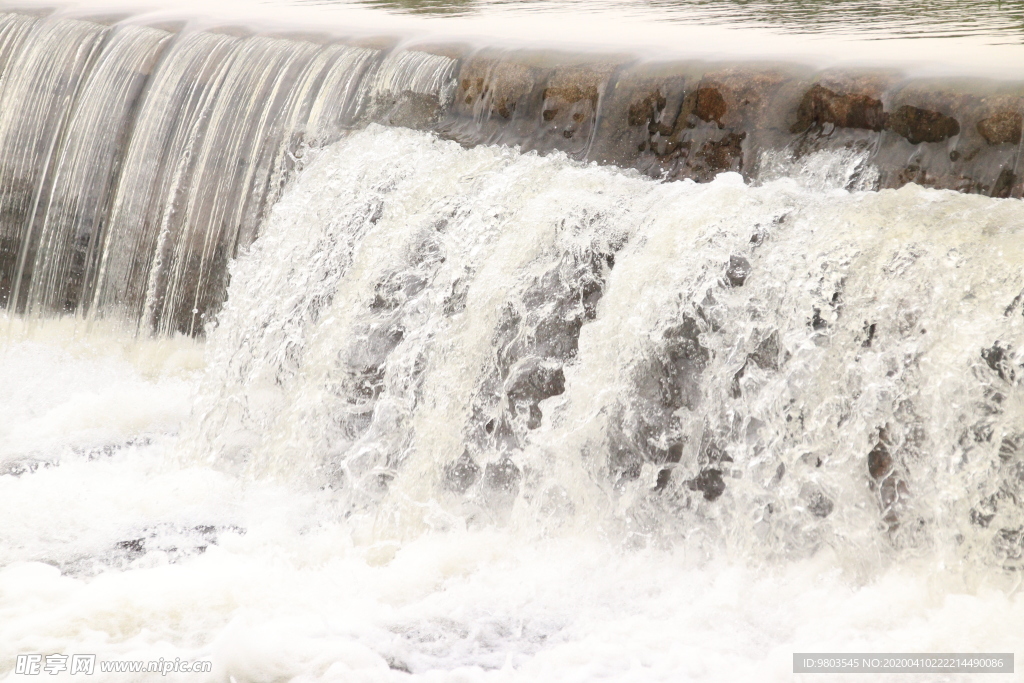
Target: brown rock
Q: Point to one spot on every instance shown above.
(707, 104)
(500, 84)
(821, 105)
(1004, 127)
(922, 125)
(556, 97)
(646, 109)
(722, 155)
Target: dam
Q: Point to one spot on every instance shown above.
(335, 353)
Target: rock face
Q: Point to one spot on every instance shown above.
(821, 106)
(706, 104)
(922, 125)
(687, 120)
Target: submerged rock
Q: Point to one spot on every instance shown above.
(503, 476)
(531, 381)
(680, 365)
(461, 474)
(1002, 128)
(646, 110)
(922, 125)
(879, 461)
(998, 359)
(818, 504)
(709, 482)
(846, 110)
(1004, 184)
(738, 271)
(716, 156)
(494, 86)
(705, 104)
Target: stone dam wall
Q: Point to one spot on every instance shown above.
(695, 120)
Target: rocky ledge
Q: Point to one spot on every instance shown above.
(695, 120)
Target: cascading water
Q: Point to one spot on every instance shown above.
(766, 368)
(160, 155)
(298, 390)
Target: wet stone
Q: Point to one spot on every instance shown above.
(817, 322)
(766, 356)
(982, 514)
(563, 95)
(532, 381)
(395, 290)
(503, 476)
(998, 359)
(570, 102)
(738, 271)
(684, 359)
(821, 106)
(646, 110)
(1003, 186)
(768, 352)
(1010, 446)
(1002, 128)
(709, 482)
(716, 156)
(498, 85)
(1008, 544)
(818, 504)
(369, 383)
(533, 339)
(455, 302)
(131, 549)
(879, 461)
(176, 542)
(16, 468)
(407, 109)
(705, 104)
(870, 331)
(625, 457)
(398, 665)
(922, 125)
(460, 475)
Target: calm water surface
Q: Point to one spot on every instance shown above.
(997, 22)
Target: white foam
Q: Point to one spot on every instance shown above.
(275, 579)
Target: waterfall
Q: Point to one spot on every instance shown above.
(771, 368)
(362, 356)
(160, 155)
(160, 151)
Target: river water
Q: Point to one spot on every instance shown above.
(302, 374)
(480, 415)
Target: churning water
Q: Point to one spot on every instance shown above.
(341, 358)
(475, 414)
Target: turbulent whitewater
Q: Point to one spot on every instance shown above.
(483, 414)
(355, 357)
